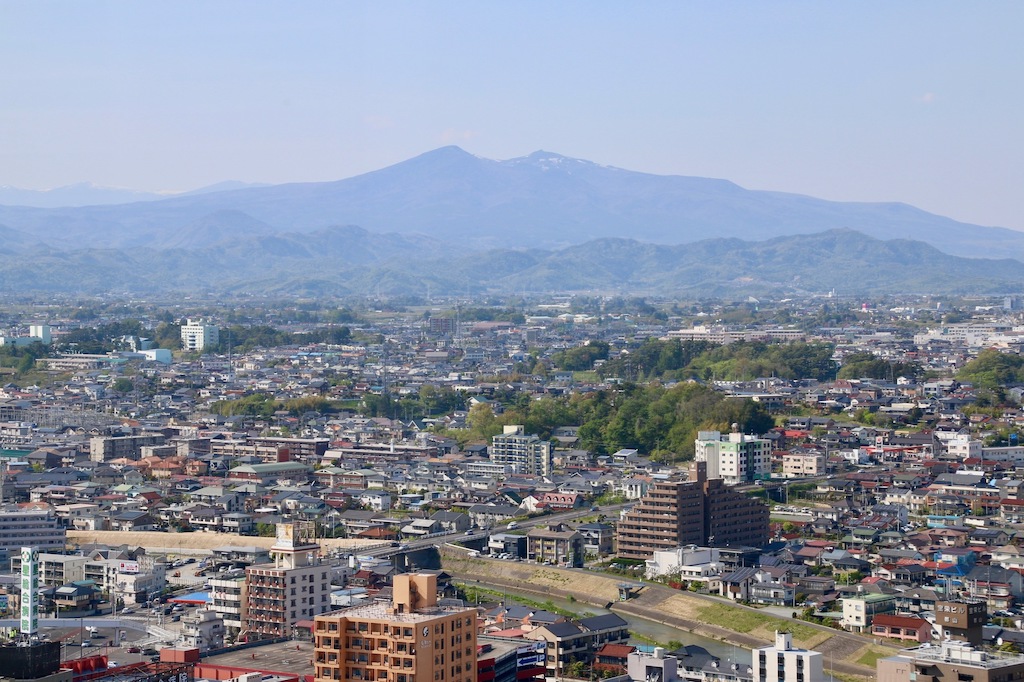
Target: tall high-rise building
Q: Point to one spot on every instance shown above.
(195, 335)
(294, 586)
(698, 511)
(735, 458)
(413, 639)
(526, 454)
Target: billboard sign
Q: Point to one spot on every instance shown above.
(29, 590)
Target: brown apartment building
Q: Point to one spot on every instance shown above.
(413, 639)
(696, 511)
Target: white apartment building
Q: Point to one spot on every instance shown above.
(488, 469)
(735, 458)
(228, 600)
(962, 446)
(195, 335)
(724, 335)
(784, 663)
(525, 454)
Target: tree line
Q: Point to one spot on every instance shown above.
(676, 360)
(655, 419)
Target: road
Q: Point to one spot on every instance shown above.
(649, 604)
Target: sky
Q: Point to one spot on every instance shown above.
(917, 102)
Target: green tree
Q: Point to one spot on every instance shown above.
(992, 369)
(122, 385)
(482, 423)
(582, 357)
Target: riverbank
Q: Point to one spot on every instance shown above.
(850, 656)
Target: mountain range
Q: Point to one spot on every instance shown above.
(448, 221)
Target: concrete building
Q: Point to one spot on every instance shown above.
(697, 511)
(704, 561)
(203, 630)
(40, 332)
(413, 639)
(228, 600)
(859, 610)
(735, 458)
(652, 667)
(555, 544)
(961, 620)
(195, 335)
(39, 528)
(782, 662)
(722, 335)
(295, 586)
(803, 464)
(106, 448)
(525, 454)
(949, 660)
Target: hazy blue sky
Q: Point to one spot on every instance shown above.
(918, 102)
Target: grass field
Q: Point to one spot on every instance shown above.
(743, 620)
(871, 656)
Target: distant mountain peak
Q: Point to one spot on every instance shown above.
(548, 161)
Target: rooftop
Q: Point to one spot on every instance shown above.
(963, 654)
(385, 612)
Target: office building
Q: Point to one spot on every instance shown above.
(734, 458)
(412, 639)
(699, 511)
(524, 454)
(785, 663)
(961, 620)
(195, 335)
(294, 586)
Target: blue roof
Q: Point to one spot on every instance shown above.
(192, 598)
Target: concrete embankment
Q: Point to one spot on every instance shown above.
(199, 542)
(706, 616)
